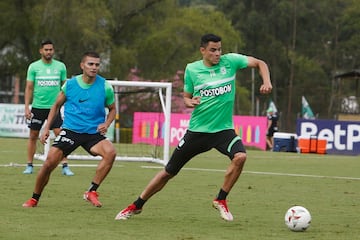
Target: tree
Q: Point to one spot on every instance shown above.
(295, 60)
(16, 29)
(162, 37)
(167, 44)
(75, 27)
(158, 37)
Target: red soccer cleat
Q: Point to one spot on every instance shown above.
(30, 203)
(128, 212)
(221, 206)
(92, 197)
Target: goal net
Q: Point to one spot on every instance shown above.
(141, 130)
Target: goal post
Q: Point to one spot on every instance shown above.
(164, 90)
(166, 109)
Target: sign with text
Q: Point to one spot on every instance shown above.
(149, 128)
(343, 137)
(13, 121)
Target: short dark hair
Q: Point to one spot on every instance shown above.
(45, 42)
(90, 54)
(205, 39)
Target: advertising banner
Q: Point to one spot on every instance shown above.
(12, 121)
(149, 128)
(343, 137)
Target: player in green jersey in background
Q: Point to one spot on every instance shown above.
(209, 88)
(44, 80)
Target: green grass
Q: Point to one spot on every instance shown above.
(327, 185)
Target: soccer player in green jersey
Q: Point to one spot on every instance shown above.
(209, 88)
(44, 80)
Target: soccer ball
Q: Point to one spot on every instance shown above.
(297, 218)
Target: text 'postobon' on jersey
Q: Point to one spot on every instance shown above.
(216, 87)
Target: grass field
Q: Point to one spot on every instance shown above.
(327, 185)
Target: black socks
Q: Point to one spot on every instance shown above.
(36, 196)
(93, 187)
(222, 195)
(139, 203)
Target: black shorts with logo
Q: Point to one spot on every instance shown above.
(39, 116)
(226, 142)
(68, 141)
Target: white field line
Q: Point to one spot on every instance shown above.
(39, 165)
(266, 173)
(203, 170)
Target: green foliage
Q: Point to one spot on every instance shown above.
(14, 40)
(242, 103)
(315, 39)
(310, 81)
(122, 59)
(349, 35)
(176, 41)
(75, 27)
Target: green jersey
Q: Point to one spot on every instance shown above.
(47, 79)
(216, 87)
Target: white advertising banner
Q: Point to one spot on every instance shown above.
(12, 121)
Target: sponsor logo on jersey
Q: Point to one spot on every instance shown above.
(215, 91)
(48, 83)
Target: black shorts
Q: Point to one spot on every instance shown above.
(68, 141)
(271, 132)
(39, 116)
(226, 142)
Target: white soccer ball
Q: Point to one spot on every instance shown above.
(297, 218)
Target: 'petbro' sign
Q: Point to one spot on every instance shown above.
(343, 137)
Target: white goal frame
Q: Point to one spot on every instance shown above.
(166, 108)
